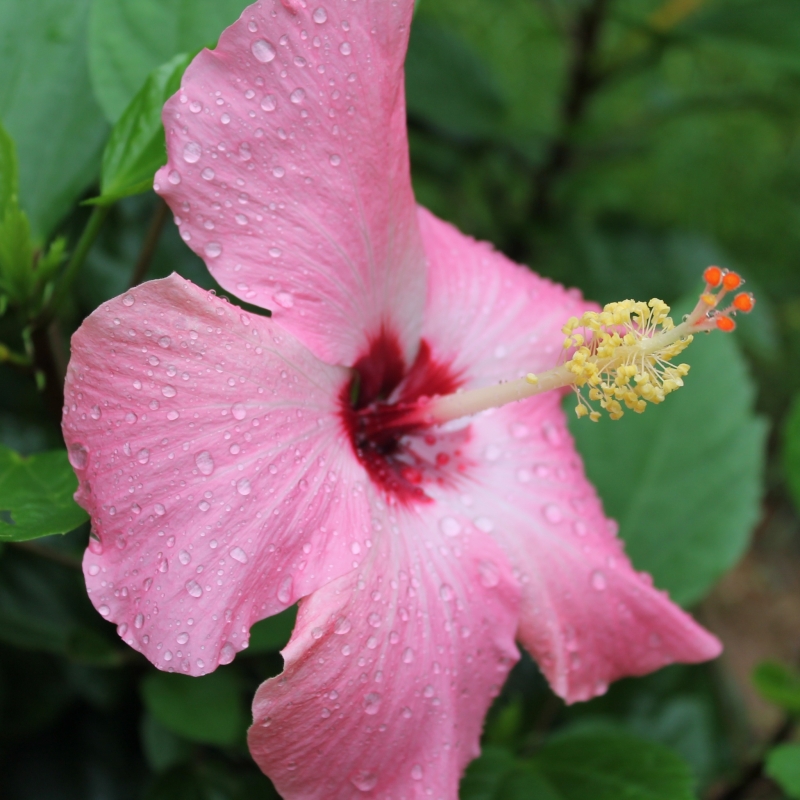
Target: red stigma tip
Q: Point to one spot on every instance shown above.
(731, 281)
(713, 276)
(744, 302)
(725, 324)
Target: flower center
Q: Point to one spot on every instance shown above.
(390, 435)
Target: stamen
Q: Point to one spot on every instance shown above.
(622, 356)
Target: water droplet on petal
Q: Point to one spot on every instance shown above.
(104, 610)
(263, 50)
(243, 487)
(194, 588)
(205, 462)
(239, 411)
(213, 249)
(489, 574)
(174, 177)
(227, 654)
(320, 15)
(372, 703)
(298, 95)
(78, 456)
(269, 102)
(364, 781)
(598, 579)
(143, 456)
(95, 413)
(450, 526)
(408, 655)
(237, 554)
(416, 772)
(169, 391)
(192, 152)
(552, 513)
(208, 174)
(345, 48)
(342, 626)
(128, 300)
(285, 590)
(335, 160)
(284, 299)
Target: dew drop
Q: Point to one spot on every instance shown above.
(128, 300)
(78, 456)
(416, 772)
(174, 177)
(284, 299)
(269, 102)
(489, 574)
(243, 487)
(335, 160)
(408, 655)
(143, 456)
(194, 588)
(227, 654)
(213, 249)
(95, 413)
(598, 580)
(205, 462)
(138, 621)
(104, 610)
(450, 526)
(345, 48)
(364, 781)
(164, 342)
(263, 50)
(169, 391)
(192, 152)
(298, 95)
(552, 513)
(208, 174)
(285, 590)
(239, 411)
(446, 592)
(320, 15)
(342, 626)
(372, 703)
(237, 554)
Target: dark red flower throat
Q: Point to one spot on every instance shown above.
(383, 413)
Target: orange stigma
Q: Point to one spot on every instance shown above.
(707, 315)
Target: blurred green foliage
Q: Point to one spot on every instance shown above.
(615, 145)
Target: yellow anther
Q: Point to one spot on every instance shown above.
(531, 378)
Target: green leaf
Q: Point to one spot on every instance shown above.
(16, 255)
(448, 86)
(36, 496)
(162, 748)
(484, 776)
(206, 709)
(136, 147)
(779, 685)
(684, 479)
(9, 172)
(791, 450)
(612, 766)
(783, 766)
(272, 634)
(128, 39)
(47, 106)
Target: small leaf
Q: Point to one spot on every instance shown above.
(271, 634)
(136, 147)
(36, 496)
(206, 709)
(484, 776)
(779, 685)
(684, 480)
(791, 450)
(9, 172)
(612, 766)
(783, 766)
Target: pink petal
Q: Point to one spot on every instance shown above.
(486, 317)
(587, 616)
(288, 171)
(213, 462)
(391, 668)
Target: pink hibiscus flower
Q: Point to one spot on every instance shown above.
(234, 464)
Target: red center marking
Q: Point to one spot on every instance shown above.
(386, 424)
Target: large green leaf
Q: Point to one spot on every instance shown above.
(601, 765)
(136, 147)
(684, 479)
(791, 450)
(47, 106)
(448, 86)
(36, 496)
(612, 766)
(207, 709)
(128, 39)
(9, 172)
(783, 765)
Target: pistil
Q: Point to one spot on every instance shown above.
(622, 355)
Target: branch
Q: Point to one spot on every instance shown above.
(160, 215)
(582, 83)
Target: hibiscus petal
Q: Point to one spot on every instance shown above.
(391, 669)
(213, 462)
(587, 616)
(487, 317)
(288, 171)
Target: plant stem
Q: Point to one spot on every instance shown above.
(65, 559)
(583, 81)
(90, 232)
(150, 243)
